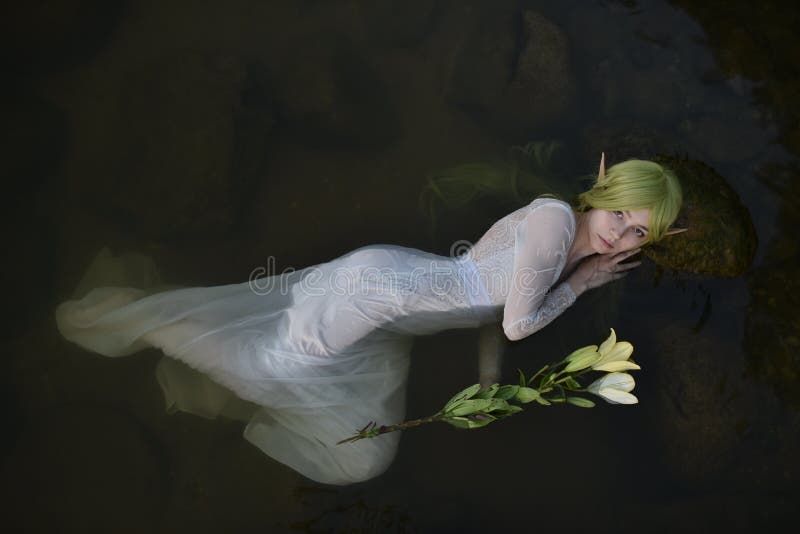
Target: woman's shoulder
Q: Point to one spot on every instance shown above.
(553, 203)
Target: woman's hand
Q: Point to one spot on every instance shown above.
(600, 269)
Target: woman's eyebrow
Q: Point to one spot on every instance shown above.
(628, 213)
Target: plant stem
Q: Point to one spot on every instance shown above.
(391, 428)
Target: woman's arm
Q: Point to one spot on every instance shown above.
(542, 242)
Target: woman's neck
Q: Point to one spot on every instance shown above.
(581, 246)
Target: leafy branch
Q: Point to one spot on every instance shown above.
(555, 383)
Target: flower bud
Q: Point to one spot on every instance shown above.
(614, 388)
(580, 352)
(582, 359)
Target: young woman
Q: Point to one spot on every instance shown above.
(309, 356)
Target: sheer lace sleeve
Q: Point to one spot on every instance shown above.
(542, 241)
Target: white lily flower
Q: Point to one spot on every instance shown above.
(614, 355)
(614, 388)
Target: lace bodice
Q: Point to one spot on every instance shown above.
(520, 258)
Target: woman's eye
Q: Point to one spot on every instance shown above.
(618, 213)
(639, 232)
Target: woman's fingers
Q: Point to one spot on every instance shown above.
(626, 266)
(627, 254)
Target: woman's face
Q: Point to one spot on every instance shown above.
(611, 232)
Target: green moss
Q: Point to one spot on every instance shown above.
(721, 239)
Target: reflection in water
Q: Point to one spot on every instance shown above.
(201, 172)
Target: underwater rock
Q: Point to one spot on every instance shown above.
(772, 327)
(514, 74)
(784, 181)
(330, 96)
(705, 408)
(772, 344)
(38, 37)
(759, 45)
(186, 139)
(721, 239)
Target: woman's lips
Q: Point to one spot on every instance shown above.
(606, 243)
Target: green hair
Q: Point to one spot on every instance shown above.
(638, 184)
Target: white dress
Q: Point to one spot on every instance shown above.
(310, 356)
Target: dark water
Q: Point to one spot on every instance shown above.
(192, 132)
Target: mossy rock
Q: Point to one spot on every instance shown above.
(721, 239)
(772, 328)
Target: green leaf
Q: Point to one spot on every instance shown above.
(522, 382)
(462, 395)
(488, 393)
(580, 401)
(542, 401)
(526, 395)
(506, 392)
(481, 417)
(469, 406)
(496, 404)
(508, 412)
(463, 422)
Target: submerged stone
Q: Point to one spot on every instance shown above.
(514, 74)
(704, 407)
(329, 95)
(772, 324)
(772, 328)
(721, 239)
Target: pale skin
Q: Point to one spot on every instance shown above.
(603, 240)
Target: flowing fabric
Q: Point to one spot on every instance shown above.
(307, 357)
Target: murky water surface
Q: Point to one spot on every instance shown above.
(215, 135)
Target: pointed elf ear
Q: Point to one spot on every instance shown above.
(673, 231)
(602, 172)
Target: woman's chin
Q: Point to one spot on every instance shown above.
(601, 248)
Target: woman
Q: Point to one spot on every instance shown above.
(307, 357)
